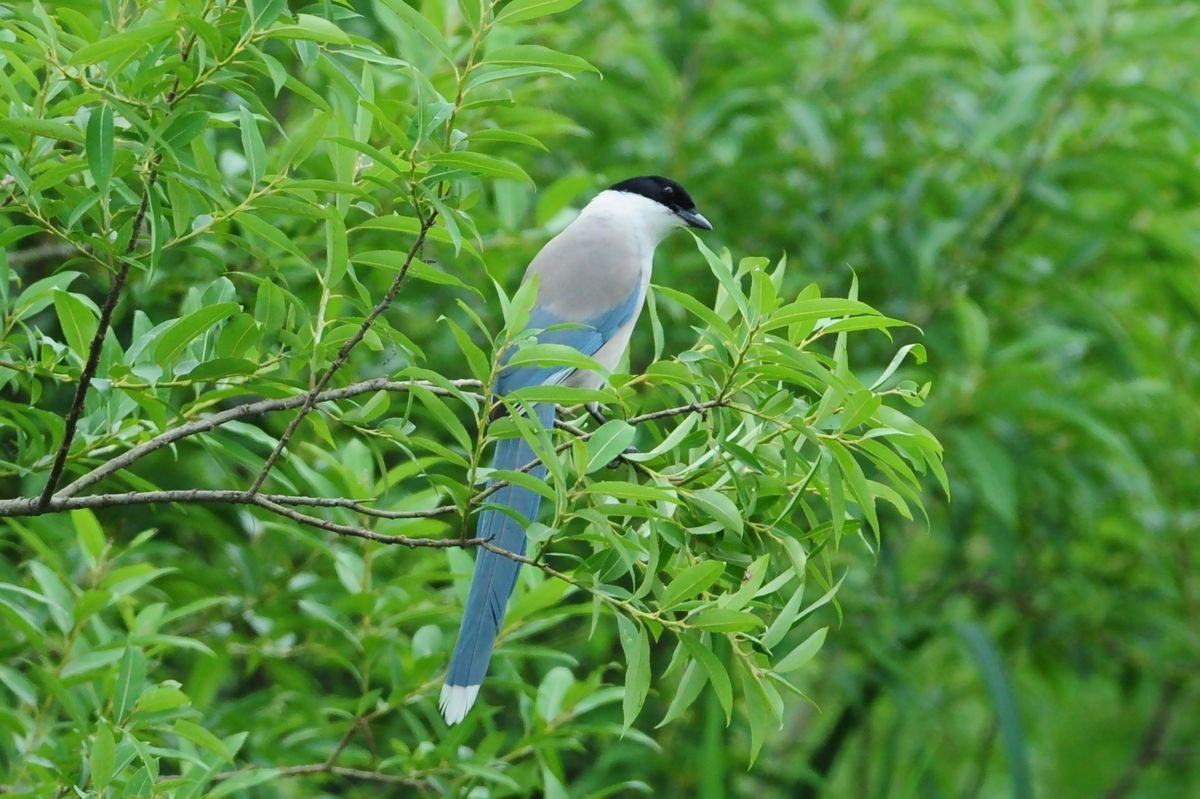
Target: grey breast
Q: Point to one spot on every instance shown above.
(587, 269)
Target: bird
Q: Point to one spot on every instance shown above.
(592, 279)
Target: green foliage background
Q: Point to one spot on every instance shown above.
(1018, 179)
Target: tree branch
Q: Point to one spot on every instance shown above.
(31, 506)
(241, 411)
(344, 354)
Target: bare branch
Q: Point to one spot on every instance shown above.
(344, 354)
(678, 410)
(241, 411)
(351, 531)
(31, 506)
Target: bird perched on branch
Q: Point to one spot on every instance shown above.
(592, 276)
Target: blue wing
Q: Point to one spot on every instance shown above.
(585, 336)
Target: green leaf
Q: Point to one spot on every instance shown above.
(690, 582)
(311, 28)
(723, 620)
(636, 646)
(522, 10)
(183, 331)
(607, 442)
(99, 147)
(481, 164)
(130, 676)
(538, 56)
(472, 11)
(815, 309)
(720, 507)
(78, 322)
(103, 757)
(201, 737)
(621, 490)
(718, 677)
(857, 481)
(88, 532)
(755, 573)
(421, 26)
(549, 355)
(166, 696)
(690, 687)
(45, 128)
(252, 144)
(803, 653)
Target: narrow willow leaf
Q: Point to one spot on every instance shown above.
(803, 653)
(690, 686)
(472, 11)
(857, 481)
(722, 620)
(480, 164)
(538, 56)
(128, 688)
(691, 581)
(90, 536)
(606, 443)
(720, 507)
(756, 572)
(413, 18)
(823, 600)
(184, 331)
(103, 757)
(636, 646)
(782, 624)
(77, 320)
(522, 10)
(100, 144)
(252, 144)
(718, 676)
(191, 731)
(479, 363)
(311, 28)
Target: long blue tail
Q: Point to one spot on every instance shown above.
(494, 579)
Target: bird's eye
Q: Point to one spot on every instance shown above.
(669, 192)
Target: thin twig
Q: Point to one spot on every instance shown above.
(31, 506)
(248, 409)
(351, 531)
(310, 399)
(678, 410)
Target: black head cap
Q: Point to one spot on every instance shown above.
(666, 192)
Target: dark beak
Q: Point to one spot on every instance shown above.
(694, 218)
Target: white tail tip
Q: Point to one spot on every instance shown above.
(456, 701)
